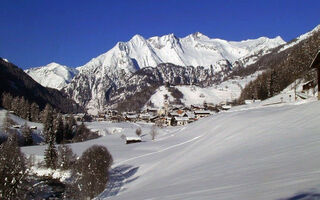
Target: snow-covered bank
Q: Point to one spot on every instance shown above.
(270, 152)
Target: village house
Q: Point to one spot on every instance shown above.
(131, 117)
(202, 113)
(316, 65)
(181, 121)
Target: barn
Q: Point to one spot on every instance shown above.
(316, 65)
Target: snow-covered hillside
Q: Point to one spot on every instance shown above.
(300, 38)
(227, 91)
(262, 152)
(52, 75)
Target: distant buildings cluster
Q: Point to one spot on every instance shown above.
(168, 115)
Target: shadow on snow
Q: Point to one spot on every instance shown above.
(304, 196)
(119, 176)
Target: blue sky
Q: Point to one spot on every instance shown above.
(37, 32)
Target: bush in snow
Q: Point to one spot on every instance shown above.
(83, 134)
(12, 170)
(138, 132)
(93, 168)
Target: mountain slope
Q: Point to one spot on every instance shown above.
(120, 69)
(15, 81)
(52, 75)
(283, 66)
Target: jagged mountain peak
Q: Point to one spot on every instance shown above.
(98, 79)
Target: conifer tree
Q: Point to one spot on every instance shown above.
(58, 129)
(69, 127)
(50, 154)
(47, 119)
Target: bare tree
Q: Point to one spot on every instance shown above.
(153, 132)
(138, 132)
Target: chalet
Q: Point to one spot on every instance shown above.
(131, 117)
(16, 126)
(180, 121)
(116, 118)
(197, 107)
(191, 116)
(145, 117)
(202, 113)
(152, 110)
(154, 118)
(130, 140)
(225, 107)
(316, 65)
(308, 85)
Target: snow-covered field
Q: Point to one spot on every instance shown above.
(249, 152)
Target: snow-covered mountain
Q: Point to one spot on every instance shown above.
(52, 75)
(193, 50)
(97, 80)
(300, 38)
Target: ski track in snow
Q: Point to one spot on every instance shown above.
(165, 149)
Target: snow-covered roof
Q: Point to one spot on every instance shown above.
(133, 138)
(132, 116)
(202, 112)
(181, 118)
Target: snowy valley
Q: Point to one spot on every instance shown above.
(220, 157)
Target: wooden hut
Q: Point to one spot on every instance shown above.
(316, 64)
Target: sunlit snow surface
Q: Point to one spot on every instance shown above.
(227, 91)
(258, 151)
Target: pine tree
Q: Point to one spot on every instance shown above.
(50, 154)
(12, 170)
(58, 129)
(27, 135)
(69, 127)
(47, 120)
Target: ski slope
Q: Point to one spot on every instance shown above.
(256, 152)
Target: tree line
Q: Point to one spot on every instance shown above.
(281, 69)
